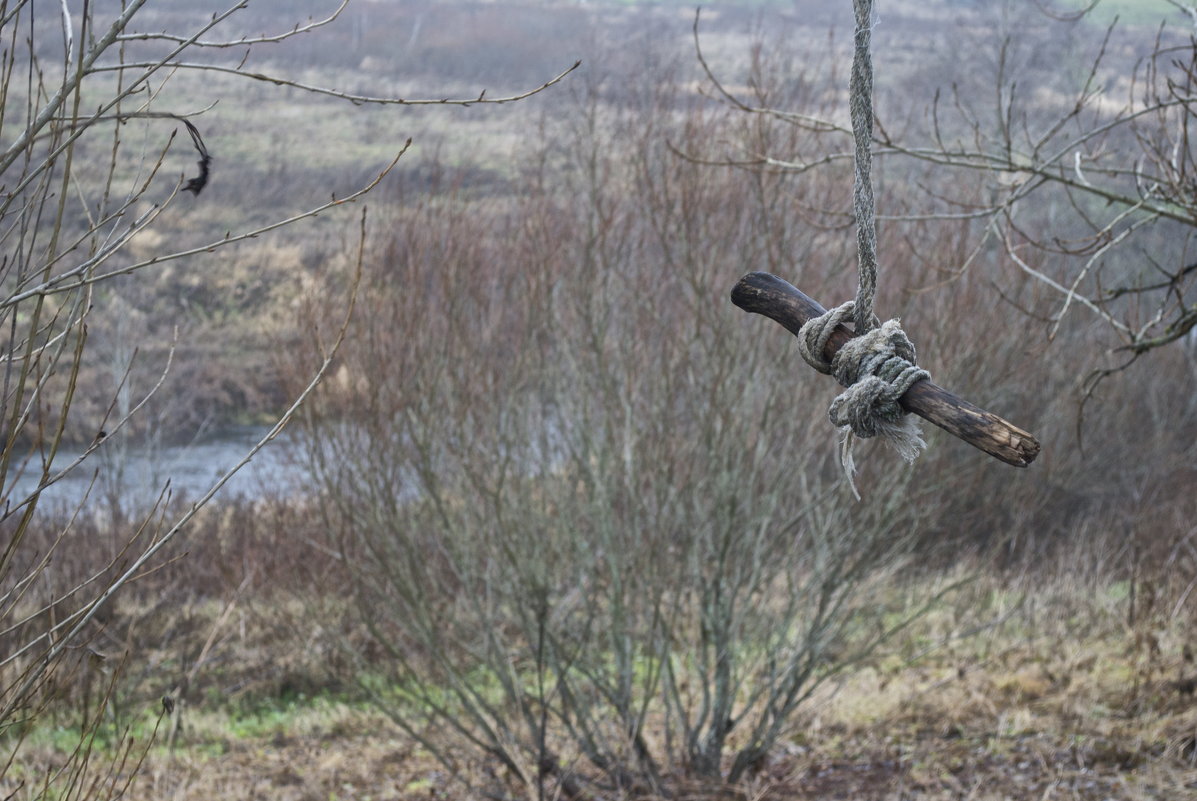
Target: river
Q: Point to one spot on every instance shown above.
(137, 473)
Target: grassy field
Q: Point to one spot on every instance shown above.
(1135, 12)
(1015, 690)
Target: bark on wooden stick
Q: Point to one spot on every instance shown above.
(762, 293)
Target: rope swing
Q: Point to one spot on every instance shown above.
(875, 362)
(877, 367)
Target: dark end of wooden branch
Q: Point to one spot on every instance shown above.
(768, 295)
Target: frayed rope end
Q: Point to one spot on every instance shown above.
(904, 435)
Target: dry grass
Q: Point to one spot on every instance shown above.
(1018, 689)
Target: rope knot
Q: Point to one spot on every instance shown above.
(876, 367)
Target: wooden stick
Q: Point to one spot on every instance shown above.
(762, 293)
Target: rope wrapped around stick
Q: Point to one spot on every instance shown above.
(877, 368)
(875, 361)
(779, 300)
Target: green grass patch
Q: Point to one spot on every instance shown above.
(1134, 12)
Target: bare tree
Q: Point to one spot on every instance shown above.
(1081, 173)
(78, 87)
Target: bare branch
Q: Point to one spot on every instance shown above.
(61, 283)
(242, 42)
(355, 99)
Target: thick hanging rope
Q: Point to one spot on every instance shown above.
(877, 366)
(860, 94)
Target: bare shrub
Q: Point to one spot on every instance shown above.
(588, 516)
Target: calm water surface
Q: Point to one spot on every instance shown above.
(136, 474)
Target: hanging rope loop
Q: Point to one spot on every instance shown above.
(813, 336)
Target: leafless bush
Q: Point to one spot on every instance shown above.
(588, 514)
